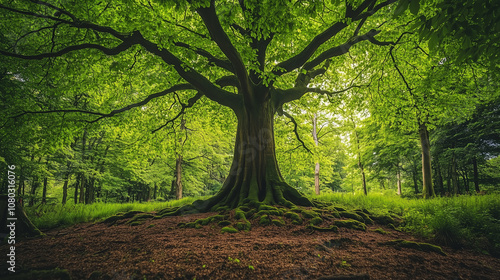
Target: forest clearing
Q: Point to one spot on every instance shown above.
(224, 139)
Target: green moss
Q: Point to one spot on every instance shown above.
(181, 225)
(136, 223)
(425, 247)
(239, 214)
(140, 217)
(323, 229)
(246, 226)
(383, 219)
(218, 218)
(113, 219)
(151, 225)
(296, 209)
(190, 225)
(350, 223)
(266, 207)
(380, 230)
(224, 223)
(351, 215)
(308, 214)
(204, 222)
(296, 219)
(367, 220)
(264, 220)
(316, 221)
(229, 230)
(244, 208)
(278, 222)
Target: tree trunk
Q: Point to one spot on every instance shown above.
(398, 175)
(44, 190)
(440, 182)
(476, 174)
(254, 177)
(427, 188)
(77, 185)
(65, 188)
(155, 190)
(454, 177)
(316, 168)
(83, 183)
(178, 177)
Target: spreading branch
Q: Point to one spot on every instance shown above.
(190, 104)
(295, 126)
(212, 23)
(225, 64)
(114, 112)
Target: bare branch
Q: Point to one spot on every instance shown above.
(295, 129)
(190, 104)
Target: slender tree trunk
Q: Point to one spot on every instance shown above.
(316, 168)
(34, 187)
(427, 187)
(360, 164)
(77, 184)
(454, 177)
(440, 182)
(476, 174)
(155, 190)
(398, 175)
(177, 183)
(83, 183)
(44, 190)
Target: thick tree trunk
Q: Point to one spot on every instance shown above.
(254, 176)
(476, 174)
(316, 142)
(427, 189)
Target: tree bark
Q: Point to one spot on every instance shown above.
(254, 177)
(44, 190)
(316, 168)
(427, 188)
(476, 174)
(454, 177)
(177, 183)
(398, 175)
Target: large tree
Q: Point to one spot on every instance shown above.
(251, 56)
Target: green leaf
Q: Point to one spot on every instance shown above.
(414, 6)
(433, 41)
(402, 6)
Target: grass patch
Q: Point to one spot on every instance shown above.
(467, 220)
(52, 216)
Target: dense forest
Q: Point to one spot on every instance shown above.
(248, 104)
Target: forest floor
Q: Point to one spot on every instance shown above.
(158, 249)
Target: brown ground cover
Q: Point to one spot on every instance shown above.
(158, 249)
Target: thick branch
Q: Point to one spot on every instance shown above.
(339, 50)
(109, 51)
(301, 58)
(114, 112)
(220, 37)
(225, 64)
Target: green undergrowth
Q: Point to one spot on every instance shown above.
(465, 221)
(52, 216)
